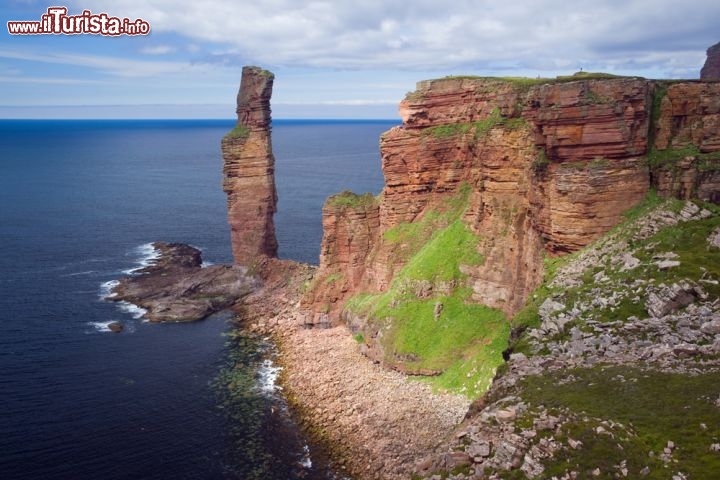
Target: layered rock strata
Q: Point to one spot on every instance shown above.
(686, 151)
(550, 167)
(546, 167)
(248, 171)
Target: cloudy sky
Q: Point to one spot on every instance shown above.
(332, 59)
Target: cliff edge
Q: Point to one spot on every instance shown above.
(249, 171)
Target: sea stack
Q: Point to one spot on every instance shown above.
(249, 171)
(711, 69)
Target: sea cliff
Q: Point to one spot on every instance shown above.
(488, 176)
(531, 233)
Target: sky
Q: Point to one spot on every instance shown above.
(331, 59)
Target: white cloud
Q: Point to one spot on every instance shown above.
(157, 50)
(116, 66)
(21, 80)
(427, 34)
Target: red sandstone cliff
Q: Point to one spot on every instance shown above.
(548, 166)
(686, 154)
(248, 172)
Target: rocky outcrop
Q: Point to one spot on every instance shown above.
(350, 224)
(176, 288)
(688, 113)
(249, 168)
(686, 153)
(711, 69)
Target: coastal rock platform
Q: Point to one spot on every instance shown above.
(176, 287)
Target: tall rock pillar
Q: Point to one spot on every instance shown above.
(249, 170)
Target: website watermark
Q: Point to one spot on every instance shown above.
(57, 22)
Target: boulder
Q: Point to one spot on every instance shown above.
(115, 327)
(666, 299)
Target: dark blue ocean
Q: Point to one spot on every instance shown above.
(79, 203)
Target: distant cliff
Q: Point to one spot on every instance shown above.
(249, 171)
(485, 177)
(711, 69)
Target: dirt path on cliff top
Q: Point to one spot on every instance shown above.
(383, 420)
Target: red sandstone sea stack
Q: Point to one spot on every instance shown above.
(248, 172)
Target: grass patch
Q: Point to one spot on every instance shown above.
(407, 238)
(442, 332)
(655, 407)
(692, 240)
(661, 159)
(651, 201)
(440, 258)
(480, 127)
(332, 278)
(659, 93)
(668, 158)
(348, 199)
(240, 131)
(540, 163)
(595, 98)
(688, 240)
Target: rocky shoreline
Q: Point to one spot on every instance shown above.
(378, 423)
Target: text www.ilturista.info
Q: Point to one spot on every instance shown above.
(57, 22)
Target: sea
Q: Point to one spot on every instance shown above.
(81, 201)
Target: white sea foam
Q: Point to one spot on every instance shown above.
(106, 289)
(101, 326)
(147, 254)
(132, 309)
(104, 327)
(206, 264)
(268, 374)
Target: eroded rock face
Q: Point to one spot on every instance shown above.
(249, 168)
(688, 123)
(689, 115)
(590, 119)
(549, 167)
(711, 69)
